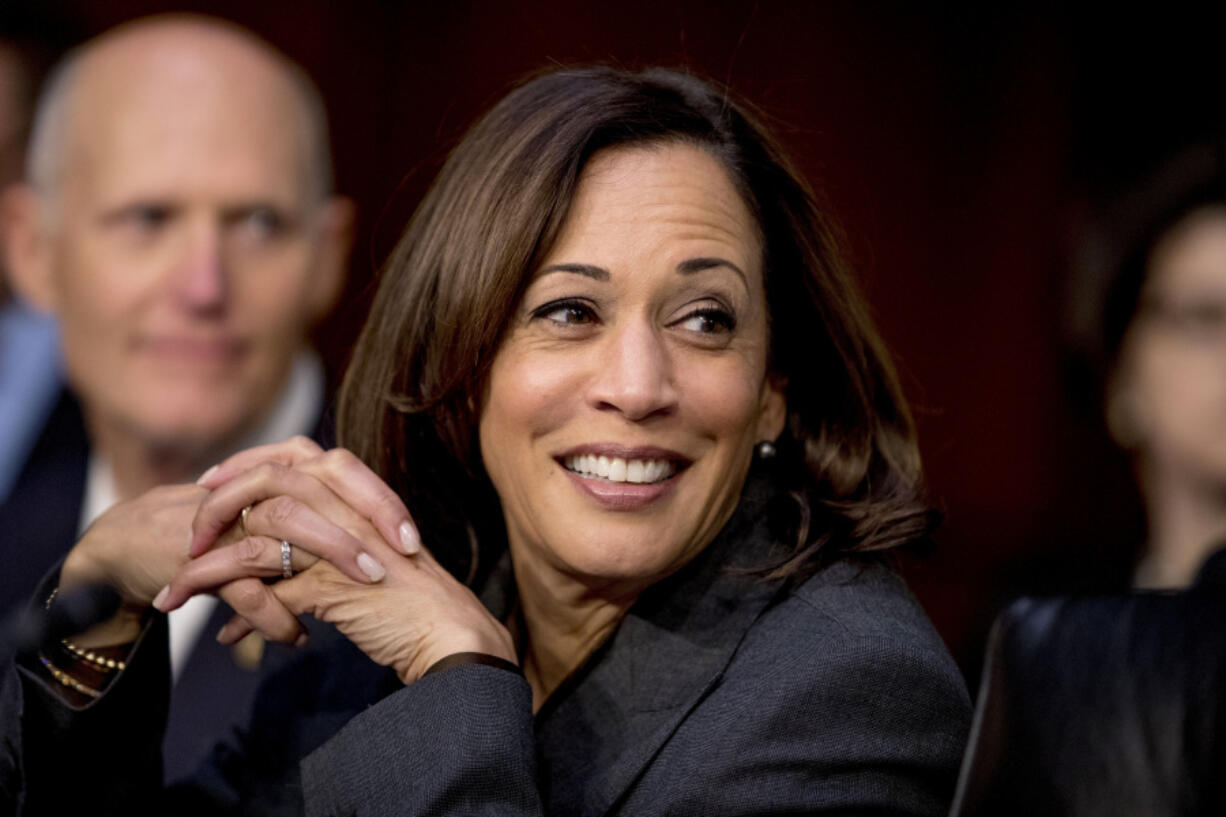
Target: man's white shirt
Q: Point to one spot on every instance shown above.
(296, 412)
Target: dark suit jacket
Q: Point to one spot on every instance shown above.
(38, 526)
(720, 693)
(1104, 705)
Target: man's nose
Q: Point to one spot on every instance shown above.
(200, 282)
(634, 372)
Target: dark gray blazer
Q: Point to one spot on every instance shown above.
(719, 694)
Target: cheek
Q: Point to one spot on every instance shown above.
(1180, 394)
(722, 399)
(96, 306)
(528, 395)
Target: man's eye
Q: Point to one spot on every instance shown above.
(147, 217)
(566, 313)
(260, 223)
(708, 322)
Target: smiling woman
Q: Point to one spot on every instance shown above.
(616, 370)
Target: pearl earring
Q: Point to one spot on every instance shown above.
(765, 450)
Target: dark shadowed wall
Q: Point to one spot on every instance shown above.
(956, 144)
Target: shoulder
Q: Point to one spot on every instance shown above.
(861, 600)
(856, 623)
(842, 696)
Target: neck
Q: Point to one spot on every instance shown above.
(1187, 521)
(564, 622)
(139, 464)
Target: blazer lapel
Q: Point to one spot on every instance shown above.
(598, 732)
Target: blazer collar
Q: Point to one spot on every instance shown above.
(598, 731)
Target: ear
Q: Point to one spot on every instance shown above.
(772, 408)
(334, 239)
(27, 249)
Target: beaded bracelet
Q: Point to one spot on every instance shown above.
(67, 680)
(99, 661)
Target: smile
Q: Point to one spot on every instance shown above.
(618, 469)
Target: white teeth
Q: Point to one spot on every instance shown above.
(617, 470)
(620, 470)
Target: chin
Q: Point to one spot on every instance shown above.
(639, 562)
(191, 430)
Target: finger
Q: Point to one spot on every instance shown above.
(354, 482)
(308, 592)
(290, 452)
(301, 509)
(254, 601)
(235, 630)
(286, 518)
(254, 556)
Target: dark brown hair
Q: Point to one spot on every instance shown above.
(409, 405)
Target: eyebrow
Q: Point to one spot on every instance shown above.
(589, 270)
(686, 267)
(693, 265)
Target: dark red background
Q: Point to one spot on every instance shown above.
(957, 144)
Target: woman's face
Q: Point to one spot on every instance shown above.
(1169, 398)
(622, 408)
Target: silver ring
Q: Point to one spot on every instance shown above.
(242, 521)
(287, 568)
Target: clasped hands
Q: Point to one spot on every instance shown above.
(357, 557)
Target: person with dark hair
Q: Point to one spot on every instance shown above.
(1164, 356)
(619, 373)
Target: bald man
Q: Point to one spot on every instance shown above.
(178, 220)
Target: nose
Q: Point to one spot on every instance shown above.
(201, 284)
(634, 373)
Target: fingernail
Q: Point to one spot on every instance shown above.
(205, 476)
(410, 539)
(302, 640)
(370, 567)
(161, 597)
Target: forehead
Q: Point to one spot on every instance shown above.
(1191, 258)
(642, 191)
(157, 123)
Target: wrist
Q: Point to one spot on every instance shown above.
(495, 645)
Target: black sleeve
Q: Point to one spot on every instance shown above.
(59, 758)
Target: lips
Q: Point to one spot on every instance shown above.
(188, 350)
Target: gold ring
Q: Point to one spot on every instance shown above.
(242, 521)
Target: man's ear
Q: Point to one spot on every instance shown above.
(772, 408)
(335, 238)
(27, 249)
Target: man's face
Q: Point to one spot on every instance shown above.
(186, 256)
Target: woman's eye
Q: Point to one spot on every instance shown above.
(708, 322)
(566, 313)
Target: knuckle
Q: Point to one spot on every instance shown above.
(338, 461)
(247, 596)
(281, 510)
(249, 551)
(303, 443)
(269, 470)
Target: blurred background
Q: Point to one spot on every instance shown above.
(967, 149)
